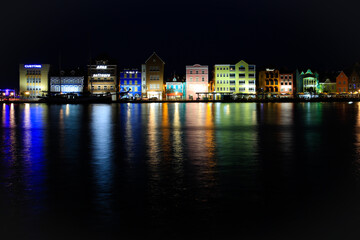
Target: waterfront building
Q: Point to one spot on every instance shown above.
(102, 78)
(354, 79)
(153, 77)
(239, 78)
(342, 82)
(327, 87)
(175, 89)
(197, 81)
(269, 81)
(7, 93)
(130, 83)
(33, 80)
(286, 83)
(307, 82)
(71, 81)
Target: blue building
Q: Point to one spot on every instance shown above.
(176, 89)
(130, 84)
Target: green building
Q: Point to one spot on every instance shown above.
(235, 78)
(307, 82)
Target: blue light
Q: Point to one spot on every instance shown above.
(33, 66)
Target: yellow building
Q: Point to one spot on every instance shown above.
(34, 80)
(153, 77)
(235, 78)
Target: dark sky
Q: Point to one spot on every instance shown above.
(315, 34)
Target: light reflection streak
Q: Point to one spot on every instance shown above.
(102, 150)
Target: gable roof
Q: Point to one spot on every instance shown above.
(156, 56)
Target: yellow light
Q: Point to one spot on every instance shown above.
(27, 93)
(11, 94)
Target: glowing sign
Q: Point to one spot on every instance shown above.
(101, 67)
(270, 70)
(101, 75)
(33, 66)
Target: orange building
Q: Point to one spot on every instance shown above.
(342, 83)
(269, 81)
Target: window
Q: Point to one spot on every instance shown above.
(125, 82)
(217, 82)
(99, 88)
(241, 75)
(242, 68)
(197, 79)
(197, 72)
(203, 79)
(130, 82)
(241, 82)
(105, 87)
(218, 89)
(289, 83)
(135, 82)
(191, 79)
(251, 89)
(242, 89)
(251, 67)
(344, 82)
(232, 89)
(282, 83)
(251, 75)
(267, 82)
(252, 82)
(232, 75)
(190, 71)
(112, 87)
(202, 72)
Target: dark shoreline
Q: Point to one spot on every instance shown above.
(281, 100)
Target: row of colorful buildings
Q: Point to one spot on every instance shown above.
(101, 77)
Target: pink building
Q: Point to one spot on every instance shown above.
(286, 83)
(197, 80)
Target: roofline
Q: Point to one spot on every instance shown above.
(152, 55)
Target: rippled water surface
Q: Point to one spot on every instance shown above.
(180, 171)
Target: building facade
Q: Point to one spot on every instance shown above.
(68, 82)
(286, 83)
(102, 78)
(176, 89)
(342, 82)
(307, 82)
(197, 81)
(354, 80)
(327, 87)
(130, 83)
(153, 76)
(34, 80)
(269, 81)
(235, 78)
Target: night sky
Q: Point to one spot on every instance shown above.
(308, 33)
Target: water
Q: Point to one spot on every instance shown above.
(180, 170)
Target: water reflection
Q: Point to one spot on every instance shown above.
(173, 166)
(102, 154)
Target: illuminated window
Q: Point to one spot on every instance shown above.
(130, 82)
(125, 82)
(105, 87)
(99, 88)
(135, 82)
